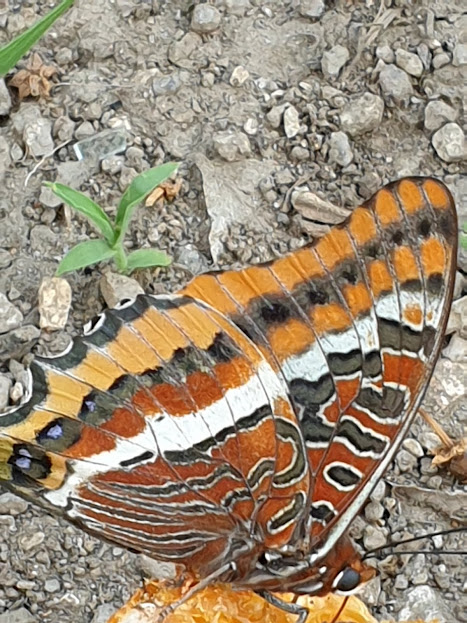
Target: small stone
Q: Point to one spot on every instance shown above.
(374, 511)
(251, 126)
(64, 128)
(10, 317)
(274, 116)
(291, 122)
(17, 616)
(456, 350)
(437, 113)
(424, 602)
(192, 259)
(17, 392)
(239, 76)
(5, 386)
(37, 136)
(449, 142)
(54, 303)
(379, 492)
(333, 60)
(401, 582)
(15, 344)
(385, 53)
(374, 537)
(12, 505)
(205, 19)
(237, 7)
(5, 99)
(31, 541)
(409, 62)
(457, 321)
(103, 613)
(52, 585)
(312, 8)
(116, 288)
(179, 52)
(162, 85)
(414, 447)
(395, 84)
(84, 130)
(300, 154)
(405, 461)
(232, 146)
(362, 114)
(112, 164)
(459, 55)
(440, 60)
(340, 151)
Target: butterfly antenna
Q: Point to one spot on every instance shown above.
(377, 550)
(341, 609)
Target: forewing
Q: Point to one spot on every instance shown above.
(354, 324)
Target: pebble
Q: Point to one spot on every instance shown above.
(251, 126)
(16, 392)
(291, 122)
(437, 113)
(373, 537)
(15, 344)
(401, 582)
(395, 84)
(28, 543)
(374, 511)
(274, 116)
(340, 151)
(12, 505)
(180, 51)
(362, 114)
(52, 585)
(17, 616)
(333, 60)
(84, 130)
(312, 8)
(440, 60)
(231, 145)
(449, 142)
(459, 55)
(10, 316)
(5, 386)
(409, 62)
(162, 85)
(379, 492)
(37, 136)
(103, 613)
(406, 461)
(237, 7)
(239, 76)
(424, 602)
(116, 288)
(192, 259)
(5, 99)
(414, 447)
(456, 350)
(54, 303)
(205, 19)
(385, 53)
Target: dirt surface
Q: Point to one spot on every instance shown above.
(257, 100)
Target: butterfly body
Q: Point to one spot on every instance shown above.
(237, 427)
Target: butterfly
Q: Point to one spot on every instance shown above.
(237, 427)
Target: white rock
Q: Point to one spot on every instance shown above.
(340, 151)
(205, 19)
(395, 84)
(362, 114)
(232, 146)
(333, 60)
(116, 288)
(239, 76)
(5, 99)
(291, 122)
(10, 316)
(437, 113)
(459, 55)
(312, 8)
(449, 142)
(54, 303)
(409, 62)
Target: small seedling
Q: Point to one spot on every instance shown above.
(110, 246)
(11, 53)
(463, 236)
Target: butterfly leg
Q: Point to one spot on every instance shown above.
(301, 612)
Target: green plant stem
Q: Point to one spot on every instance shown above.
(121, 258)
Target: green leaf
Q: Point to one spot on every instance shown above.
(85, 254)
(145, 258)
(82, 203)
(136, 192)
(13, 51)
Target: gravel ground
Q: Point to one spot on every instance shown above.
(260, 100)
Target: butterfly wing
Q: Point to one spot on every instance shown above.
(162, 429)
(354, 324)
